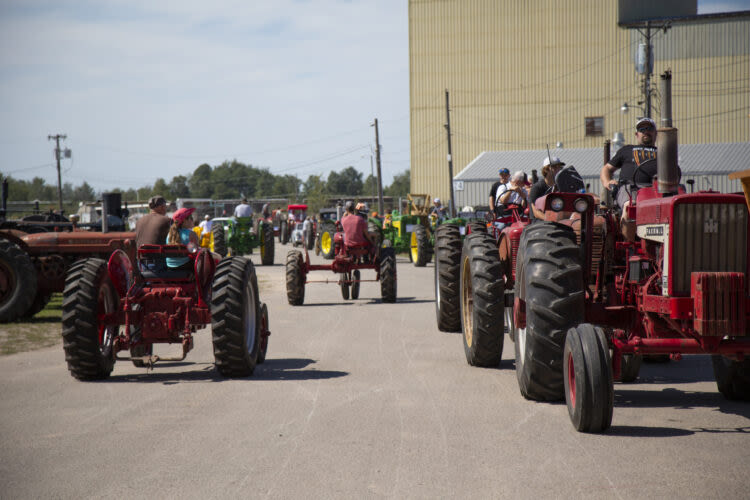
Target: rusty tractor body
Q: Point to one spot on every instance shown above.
(114, 306)
(347, 262)
(585, 303)
(34, 266)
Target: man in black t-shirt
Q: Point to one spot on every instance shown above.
(499, 188)
(629, 158)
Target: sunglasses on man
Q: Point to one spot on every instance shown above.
(645, 129)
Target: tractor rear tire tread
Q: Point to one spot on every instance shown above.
(388, 273)
(80, 325)
(22, 297)
(231, 353)
(295, 281)
(447, 278)
(267, 255)
(488, 301)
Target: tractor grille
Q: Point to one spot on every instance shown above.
(514, 252)
(597, 244)
(707, 237)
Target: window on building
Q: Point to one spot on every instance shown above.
(594, 125)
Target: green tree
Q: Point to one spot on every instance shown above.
(160, 188)
(401, 185)
(370, 187)
(347, 182)
(200, 184)
(315, 193)
(84, 192)
(179, 187)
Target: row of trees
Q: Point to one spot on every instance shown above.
(231, 179)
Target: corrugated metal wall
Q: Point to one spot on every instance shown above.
(478, 192)
(525, 74)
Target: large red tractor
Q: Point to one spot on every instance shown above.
(111, 306)
(348, 261)
(586, 303)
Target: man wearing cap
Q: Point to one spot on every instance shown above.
(628, 158)
(438, 209)
(545, 185)
(499, 188)
(152, 228)
(243, 209)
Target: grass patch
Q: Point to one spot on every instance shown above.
(43, 330)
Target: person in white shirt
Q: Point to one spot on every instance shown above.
(516, 193)
(243, 209)
(206, 224)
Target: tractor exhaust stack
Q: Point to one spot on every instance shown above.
(668, 171)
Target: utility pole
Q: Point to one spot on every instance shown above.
(57, 138)
(649, 66)
(372, 174)
(450, 153)
(377, 161)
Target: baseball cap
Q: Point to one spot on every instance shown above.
(156, 201)
(182, 214)
(503, 171)
(645, 120)
(552, 161)
(436, 200)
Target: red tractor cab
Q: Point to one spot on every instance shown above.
(348, 261)
(114, 306)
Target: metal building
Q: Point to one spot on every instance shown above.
(707, 164)
(524, 75)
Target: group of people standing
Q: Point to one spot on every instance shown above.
(636, 163)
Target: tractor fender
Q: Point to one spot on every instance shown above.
(15, 236)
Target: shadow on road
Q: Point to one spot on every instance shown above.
(639, 431)
(292, 369)
(272, 369)
(402, 300)
(681, 400)
(318, 304)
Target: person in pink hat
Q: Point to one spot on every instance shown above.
(180, 233)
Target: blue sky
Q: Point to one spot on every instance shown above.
(147, 89)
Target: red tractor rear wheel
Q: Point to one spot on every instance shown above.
(732, 377)
(295, 279)
(549, 279)
(17, 281)
(235, 317)
(447, 278)
(482, 300)
(88, 296)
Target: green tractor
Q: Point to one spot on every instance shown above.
(326, 229)
(237, 236)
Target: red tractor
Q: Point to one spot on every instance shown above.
(161, 306)
(347, 263)
(586, 303)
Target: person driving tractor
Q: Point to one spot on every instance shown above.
(355, 228)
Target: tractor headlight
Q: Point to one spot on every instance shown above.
(556, 204)
(581, 205)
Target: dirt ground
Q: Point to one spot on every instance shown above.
(43, 330)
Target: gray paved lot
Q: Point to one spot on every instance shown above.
(357, 400)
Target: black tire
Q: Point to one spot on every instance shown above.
(589, 392)
(265, 332)
(88, 293)
(482, 301)
(266, 244)
(344, 286)
(19, 273)
(549, 278)
(447, 278)
(285, 234)
(138, 352)
(310, 243)
(295, 280)
(629, 367)
(510, 324)
(420, 248)
(476, 227)
(732, 377)
(388, 272)
(355, 286)
(40, 302)
(282, 232)
(326, 242)
(220, 241)
(235, 318)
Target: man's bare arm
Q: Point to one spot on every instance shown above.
(606, 176)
